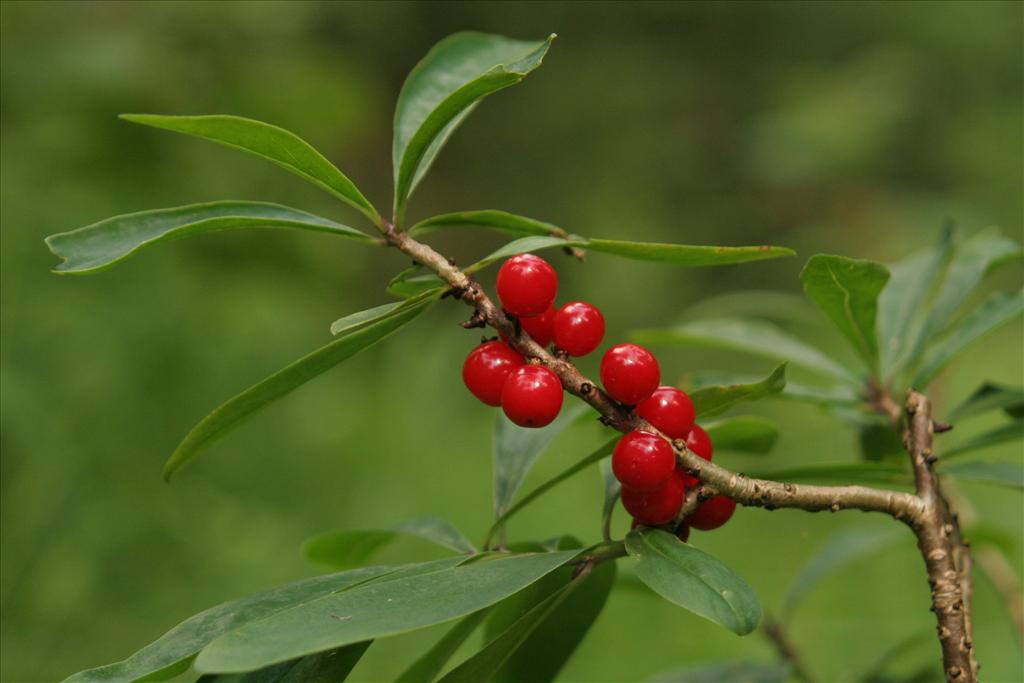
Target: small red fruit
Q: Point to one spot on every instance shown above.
(643, 461)
(532, 396)
(712, 513)
(539, 326)
(683, 533)
(698, 441)
(629, 373)
(527, 285)
(578, 328)
(654, 507)
(486, 369)
(669, 410)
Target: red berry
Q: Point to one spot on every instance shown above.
(578, 328)
(539, 326)
(532, 396)
(629, 373)
(669, 410)
(712, 513)
(527, 285)
(698, 442)
(486, 369)
(643, 461)
(683, 533)
(654, 507)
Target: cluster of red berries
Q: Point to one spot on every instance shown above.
(653, 488)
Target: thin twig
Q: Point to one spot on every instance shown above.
(773, 630)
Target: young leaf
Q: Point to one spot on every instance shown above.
(429, 665)
(685, 254)
(990, 396)
(846, 290)
(750, 336)
(183, 641)
(694, 580)
(515, 451)
(994, 312)
(332, 666)
(443, 88)
(727, 672)
(522, 246)
(841, 549)
(414, 281)
(711, 401)
(99, 246)
(1008, 432)
(746, 434)
(229, 415)
(502, 221)
(375, 610)
(1008, 474)
(352, 548)
(355, 321)
(834, 395)
(274, 144)
(869, 474)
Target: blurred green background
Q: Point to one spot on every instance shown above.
(847, 128)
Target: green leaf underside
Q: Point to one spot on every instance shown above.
(847, 473)
(1001, 473)
(686, 255)
(840, 550)
(230, 414)
(361, 319)
(997, 310)
(515, 451)
(183, 641)
(711, 401)
(440, 91)
(332, 666)
(746, 434)
(502, 221)
(749, 336)
(694, 580)
(988, 397)
(835, 395)
(1002, 434)
(274, 144)
(847, 290)
(99, 246)
(352, 548)
(414, 281)
(596, 456)
(376, 610)
(432, 662)
(726, 672)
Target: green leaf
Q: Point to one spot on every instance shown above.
(840, 550)
(515, 451)
(990, 396)
(612, 490)
(726, 672)
(749, 336)
(414, 281)
(502, 221)
(229, 415)
(685, 254)
(274, 144)
(994, 312)
(332, 666)
(879, 441)
(429, 665)
(1007, 432)
(746, 434)
(847, 290)
(443, 88)
(355, 321)
(835, 395)
(183, 641)
(352, 548)
(1007, 474)
(99, 246)
(376, 610)
(522, 246)
(711, 401)
(601, 453)
(694, 580)
(841, 473)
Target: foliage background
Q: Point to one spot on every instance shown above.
(847, 128)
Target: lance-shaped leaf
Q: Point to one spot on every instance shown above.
(376, 610)
(429, 665)
(694, 580)
(711, 401)
(229, 415)
(685, 254)
(360, 319)
(746, 434)
(352, 548)
(99, 246)
(994, 312)
(726, 672)
(834, 395)
(274, 144)
(612, 491)
(414, 281)
(1000, 473)
(332, 666)
(443, 88)
(749, 336)
(847, 290)
(180, 644)
(988, 397)
(502, 221)
(1002, 434)
(522, 246)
